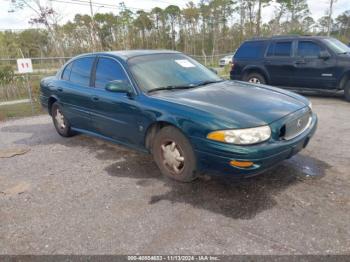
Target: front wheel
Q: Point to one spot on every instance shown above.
(174, 155)
(60, 122)
(347, 91)
(255, 78)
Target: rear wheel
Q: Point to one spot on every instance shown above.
(174, 155)
(347, 91)
(60, 122)
(255, 78)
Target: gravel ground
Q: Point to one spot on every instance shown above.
(85, 196)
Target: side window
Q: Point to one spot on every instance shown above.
(283, 48)
(66, 72)
(81, 70)
(308, 49)
(108, 70)
(270, 50)
(251, 49)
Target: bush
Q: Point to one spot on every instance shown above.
(6, 75)
(11, 86)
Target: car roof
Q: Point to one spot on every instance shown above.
(126, 54)
(287, 37)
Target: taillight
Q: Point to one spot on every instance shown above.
(232, 65)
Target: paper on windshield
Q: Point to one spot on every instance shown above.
(184, 63)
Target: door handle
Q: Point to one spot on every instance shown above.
(60, 89)
(95, 98)
(300, 62)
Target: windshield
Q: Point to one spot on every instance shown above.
(169, 70)
(337, 46)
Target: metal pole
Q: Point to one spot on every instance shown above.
(30, 93)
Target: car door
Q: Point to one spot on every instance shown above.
(73, 92)
(115, 114)
(279, 62)
(311, 70)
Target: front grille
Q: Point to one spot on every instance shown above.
(296, 126)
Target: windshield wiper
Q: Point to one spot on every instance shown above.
(169, 88)
(185, 86)
(207, 82)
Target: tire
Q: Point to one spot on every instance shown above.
(255, 78)
(347, 91)
(61, 124)
(174, 155)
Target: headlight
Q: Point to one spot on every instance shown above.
(245, 136)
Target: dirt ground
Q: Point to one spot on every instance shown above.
(85, 196)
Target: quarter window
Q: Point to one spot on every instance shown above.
(108, 70)
(81, 70)
(251, 49)
(308, 49)
(66, 72)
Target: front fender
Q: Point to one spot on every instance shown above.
(189, 126)
(190, 121)
(343, 79)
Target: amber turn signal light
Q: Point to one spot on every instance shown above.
(244, 164)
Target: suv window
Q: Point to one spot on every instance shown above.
(108, 70)
(280, 49)
(81, 70)
(308, 49)
(283, 48)
(270, 50)
(251, 49)
(66, 72)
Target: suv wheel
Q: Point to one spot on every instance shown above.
(174, 155)
(347, 91)
(255, 78)
(60, 122)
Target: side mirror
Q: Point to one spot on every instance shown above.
(118, 86)
(324, 55)
(213, 70)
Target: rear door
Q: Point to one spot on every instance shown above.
(114, 115)
(74, 92)
(311, 71)
(249, 55)
(279, 62)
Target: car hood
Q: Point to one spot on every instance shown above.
(242, 104)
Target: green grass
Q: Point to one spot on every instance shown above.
(19, 110)
(23, 109)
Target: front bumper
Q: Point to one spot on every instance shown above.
(216, 156)
(44, 101)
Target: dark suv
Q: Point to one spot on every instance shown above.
(305, 63)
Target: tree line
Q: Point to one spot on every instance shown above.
(208, 28)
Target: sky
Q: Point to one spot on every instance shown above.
(20, 18)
